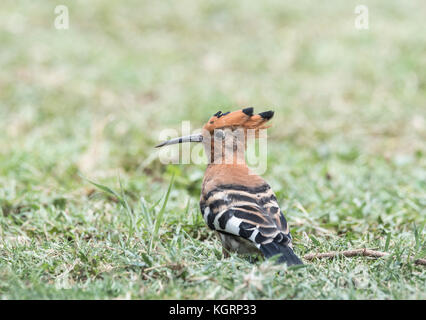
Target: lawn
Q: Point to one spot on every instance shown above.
(346, 150)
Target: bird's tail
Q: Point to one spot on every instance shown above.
(286, 254)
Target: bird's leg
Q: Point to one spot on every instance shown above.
(225, 253)
(225, 248)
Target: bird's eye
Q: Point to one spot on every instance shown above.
(219, 134)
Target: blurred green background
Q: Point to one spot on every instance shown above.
(346, 152)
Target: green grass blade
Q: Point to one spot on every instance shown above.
(388, 237)
(160, 215)
(106, 189)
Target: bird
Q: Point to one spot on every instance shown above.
(235, 202)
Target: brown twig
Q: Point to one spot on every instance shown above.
(354, 253)
(347, 253)
(420, 262)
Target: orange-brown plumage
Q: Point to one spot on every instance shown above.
(243, 118)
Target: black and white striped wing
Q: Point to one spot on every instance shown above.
(252, 213)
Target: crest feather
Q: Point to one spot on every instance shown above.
(241, 118)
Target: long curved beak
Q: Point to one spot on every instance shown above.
(190, 138)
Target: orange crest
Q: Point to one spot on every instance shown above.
(242, 118)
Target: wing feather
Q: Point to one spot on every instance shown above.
(252, 213)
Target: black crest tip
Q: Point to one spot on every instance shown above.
(248, 111)
(267, 114)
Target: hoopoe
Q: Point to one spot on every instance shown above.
(235, 202)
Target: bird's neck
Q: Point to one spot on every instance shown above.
(224, 174)
(227, 153)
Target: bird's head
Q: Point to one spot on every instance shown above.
(224, 125)
(227, 131)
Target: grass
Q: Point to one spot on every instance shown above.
(346, 153)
